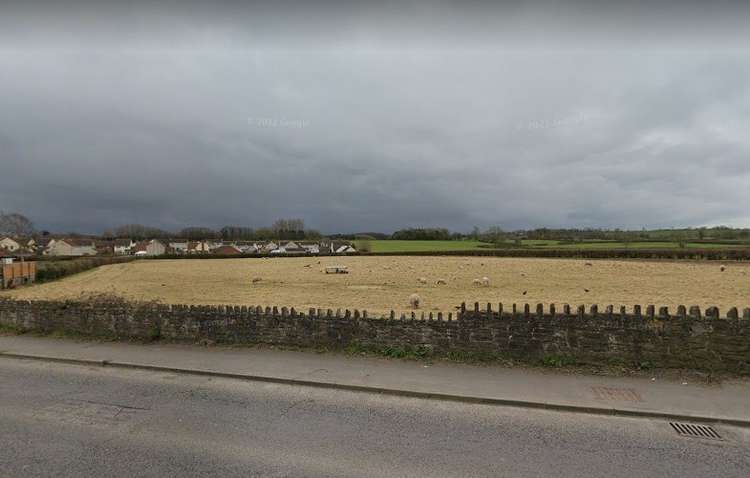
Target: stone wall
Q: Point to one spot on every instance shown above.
(686, 338)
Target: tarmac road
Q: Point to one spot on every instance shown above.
(72, 420)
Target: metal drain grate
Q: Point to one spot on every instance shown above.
(698, 431)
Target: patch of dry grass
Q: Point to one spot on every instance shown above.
(378, 284)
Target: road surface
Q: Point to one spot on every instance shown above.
(71, 420)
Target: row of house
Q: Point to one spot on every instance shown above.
(157, 247)
(16, 246)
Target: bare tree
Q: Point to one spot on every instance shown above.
(234, 233)
(289, 228)
(136, 232)
(493, 234)
(15, 224)
(198, 233)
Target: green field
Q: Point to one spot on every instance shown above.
(621, 245)
(420, 246)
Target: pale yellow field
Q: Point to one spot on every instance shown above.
(379, 284)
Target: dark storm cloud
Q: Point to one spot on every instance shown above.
(359, 117)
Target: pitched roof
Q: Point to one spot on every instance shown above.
(227, 250)
(44, 241)
(76, 242)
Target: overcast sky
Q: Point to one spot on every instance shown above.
(362, 118)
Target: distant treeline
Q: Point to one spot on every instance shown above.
(423, 235)
(16, 224)
(498, 235)
(295, 229)
(280, 229)
(720, 233)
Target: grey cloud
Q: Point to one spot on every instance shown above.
(406, 23)
(361, 135)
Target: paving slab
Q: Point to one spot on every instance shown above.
(728, 401)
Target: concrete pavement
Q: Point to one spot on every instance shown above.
(65, 420)
(728, 402)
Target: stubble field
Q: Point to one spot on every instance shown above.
(379, 284)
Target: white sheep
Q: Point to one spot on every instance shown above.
(441, 282)
(476, 282)
(422, 280)
(486, 281)
(414, 301)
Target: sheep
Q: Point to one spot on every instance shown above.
(441, 282)
(723, 268)
(256, 280)
(476, 282)
(414, 301)
(486, 281)
(422, 280)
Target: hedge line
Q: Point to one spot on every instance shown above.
(699, 254)
(49, 270)
(739, 254)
